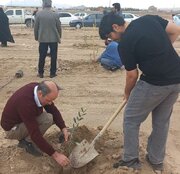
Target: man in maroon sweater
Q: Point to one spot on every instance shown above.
(23, 118)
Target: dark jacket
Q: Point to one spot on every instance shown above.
(5, 33)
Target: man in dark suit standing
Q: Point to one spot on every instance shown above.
(117, 9)
(5, 33)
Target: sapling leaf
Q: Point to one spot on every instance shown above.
(74, 120)
(79, 114)
(83, 110)
(76, 123)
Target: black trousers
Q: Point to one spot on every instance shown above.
(43, 47)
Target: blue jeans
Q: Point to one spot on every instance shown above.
(109, 64)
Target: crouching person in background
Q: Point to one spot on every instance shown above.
(110, 58)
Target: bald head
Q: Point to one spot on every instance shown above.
(47, 91)
(52, 86)
(47, 87)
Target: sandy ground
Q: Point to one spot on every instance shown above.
(86, 84)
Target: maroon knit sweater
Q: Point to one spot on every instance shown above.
(21, 107)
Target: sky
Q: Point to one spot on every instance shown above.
(141, 4)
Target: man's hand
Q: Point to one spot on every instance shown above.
(66, 134)
(61, 159)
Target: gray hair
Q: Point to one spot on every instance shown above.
(46, 3)
(43, 88)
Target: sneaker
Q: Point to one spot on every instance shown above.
(40, 75)
(29, 147)
(134, 163)
(53, 75)
(156, 167)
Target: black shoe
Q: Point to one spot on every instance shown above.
(40, 75)
(3, 45)
(53, 75)
(155, 167)
(135, 164)
(28, 146)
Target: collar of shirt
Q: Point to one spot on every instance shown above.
(36, 97)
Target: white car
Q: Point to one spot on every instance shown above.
(81, 15)
(128, 17)
(66, 17)
(176, 19)
(20, 16)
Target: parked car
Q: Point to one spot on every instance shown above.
(128, 17)
(89, 21)
(81, 15)
(20, 16)
(66, 17)
(176, 19)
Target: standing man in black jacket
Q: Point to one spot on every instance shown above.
(117, 9)
(5, 33)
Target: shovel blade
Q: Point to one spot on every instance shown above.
(82, 154)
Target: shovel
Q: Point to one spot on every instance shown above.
(84, 152)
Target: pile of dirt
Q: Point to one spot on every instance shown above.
(110, 146)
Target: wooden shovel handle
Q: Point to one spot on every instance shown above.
(121, 106)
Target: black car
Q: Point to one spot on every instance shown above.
(89, 21)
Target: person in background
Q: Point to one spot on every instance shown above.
(110, 58)
(47, 31)
(25, 120)
(146, 44)
(117, 9)
(5, 33)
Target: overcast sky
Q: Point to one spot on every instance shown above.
(94, 3)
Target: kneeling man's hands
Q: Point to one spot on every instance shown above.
(61, 159)
(66, 134)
